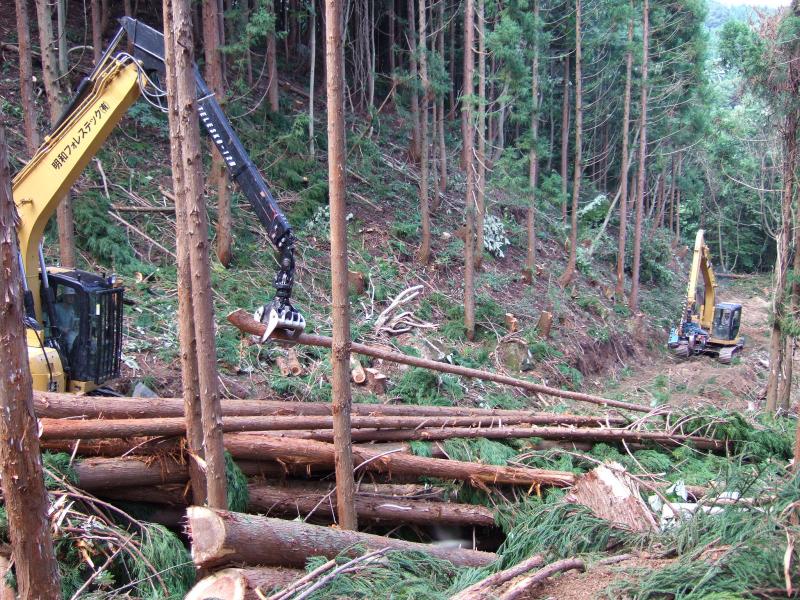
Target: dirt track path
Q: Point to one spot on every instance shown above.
(699, 380)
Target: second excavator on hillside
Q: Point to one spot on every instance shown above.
(706, 327)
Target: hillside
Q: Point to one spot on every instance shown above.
(700, 466)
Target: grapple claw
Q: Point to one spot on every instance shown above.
(276, 316)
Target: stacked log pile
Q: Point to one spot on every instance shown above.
(131, 449)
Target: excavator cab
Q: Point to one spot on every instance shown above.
(727, 318)
(83, 317)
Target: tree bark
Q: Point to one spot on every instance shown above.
(633, 300)
(480, 178)
(222, 538)
(218, 177)
(529, 272)
(29, 111)
(424, 251)
(21, 471)
(288, 450)
(68, 406)
(340, 310)
(97, 33)
(312, 35)
(564, 140)
(272, 65)
(63, 429)
(293, 501)
(196, 226)
(241, 584)
(776, 341)
(504, 433)
(246, 323)
(61, 31)
(56, 98)
(619, 290)
(469, 146)
(577, 167)
(440, 121)
(415, 149)
(186, 332)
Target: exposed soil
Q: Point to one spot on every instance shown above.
(702, 379)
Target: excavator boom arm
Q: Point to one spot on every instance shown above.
(701, 266)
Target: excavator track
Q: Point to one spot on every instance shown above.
(681, 350)
(726, 354)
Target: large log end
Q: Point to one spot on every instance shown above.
(228, 585)
(243, 584)
(207, 532)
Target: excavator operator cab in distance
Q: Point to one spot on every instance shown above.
(727, 318)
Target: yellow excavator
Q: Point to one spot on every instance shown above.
(706, 327)
(73, 317)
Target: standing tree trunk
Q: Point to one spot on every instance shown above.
(619, 291)
(218, 176)
(61, 19)
(186, 333)
(56, 99)
(633, 301)
(97, 33)
(440, 121)
(340, 311)
(529, 272)
(312, 42)
(424, 252)
(480, 196)
(564, 140)
(577, 168)
(414, 150)
(26, 78)
(184, 102)
(272, 64)
(776, 341)
(24, 494)
(469, 144)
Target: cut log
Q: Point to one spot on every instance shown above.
(376, 382)
(56, 405)
(544, 324)
(357, 371)
(356, 282)
(64, 429)
(241, 584)
(102, 473)
(486, 588)
(287, 450)
(595, 435)
(613, 496)
(222, 538)
(294, 363)
(283, 366)
(246, 323)
(512, 323)
(291, 501)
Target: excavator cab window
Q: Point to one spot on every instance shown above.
(87, 325)
(727, 318)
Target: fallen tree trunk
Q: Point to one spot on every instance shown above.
(296, 500)
(287, 450)
(291, 502)
(500, 433)
(221, 538)
(63, 429)
(101, 473)
(55, 405)
(241, 584)
(246, 323)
